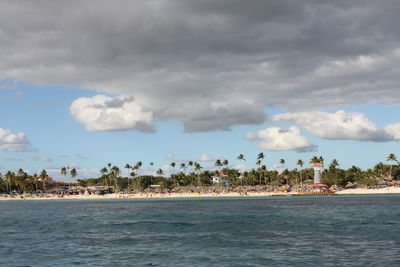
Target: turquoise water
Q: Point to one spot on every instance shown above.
(285, 231)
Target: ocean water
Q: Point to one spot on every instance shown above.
(277, 231)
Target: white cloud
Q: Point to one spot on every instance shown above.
(280, 139)
(208, 65)
(170, 156)
(340, 125)
(206, 158)
(103, 113)
(393, 130)
(42, 158)
(14, 142)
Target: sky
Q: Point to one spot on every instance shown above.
(86, 83)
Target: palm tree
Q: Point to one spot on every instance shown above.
(133, 174)
(160, 172)
(241, 157)
(225, 163)
(315, 160)
(218, 163)
(258, 163)
(10, 180)
(136, 168)
(334, 164)
(36, 178)
(392, 157)
(104, 172)
(73, 173)
(300, 163)
(109, 173)
(173, 164)
(64, 171)
(190, 163)
(183, 167)
(43, 175)
(128, 168)
(379, 167)
(115, 172)
(197, 169)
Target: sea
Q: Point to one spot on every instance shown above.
(271, 231)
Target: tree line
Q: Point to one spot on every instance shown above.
(191, 173)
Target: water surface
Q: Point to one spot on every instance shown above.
(295, 231)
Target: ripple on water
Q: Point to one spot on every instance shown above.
(220, 232)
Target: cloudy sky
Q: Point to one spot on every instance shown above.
(84, 83)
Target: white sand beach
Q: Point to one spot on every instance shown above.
(356, 191)
(365, 191)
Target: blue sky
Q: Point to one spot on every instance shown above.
(43, 114)
(137, 80)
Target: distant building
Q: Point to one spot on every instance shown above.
(317, 172)
(219, 178)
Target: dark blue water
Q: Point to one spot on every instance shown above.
(286, 231)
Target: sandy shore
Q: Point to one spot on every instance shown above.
(364, 191)
(358, 191)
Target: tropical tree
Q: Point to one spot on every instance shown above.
(218, 164)
(43, 175)
(241, 157)
(9, 180)
(64, 171)
(104, 173)
(183, 167)
(115, 172)
(173, 164)
(136, 168)
(334, 164)
(225, 163)
(128, 168)
(197, 169)
(258, 163)
(36, 179)
(73, 173)
(160, 172)
(315, 160)
(392, 157)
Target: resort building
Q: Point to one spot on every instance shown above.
(219, 178)
(317, 172)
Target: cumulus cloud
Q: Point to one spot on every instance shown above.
(341, 125)
(103, 113)
(280, 139)
(208, 65)
(170, 156)
(393, 130)
(206, 158)
(42, 158)
(14, 142)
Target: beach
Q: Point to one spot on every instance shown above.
(354, 191)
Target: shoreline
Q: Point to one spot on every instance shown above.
(356, 191)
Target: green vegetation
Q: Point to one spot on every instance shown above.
(192, 174)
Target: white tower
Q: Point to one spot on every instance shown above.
(317, 172)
